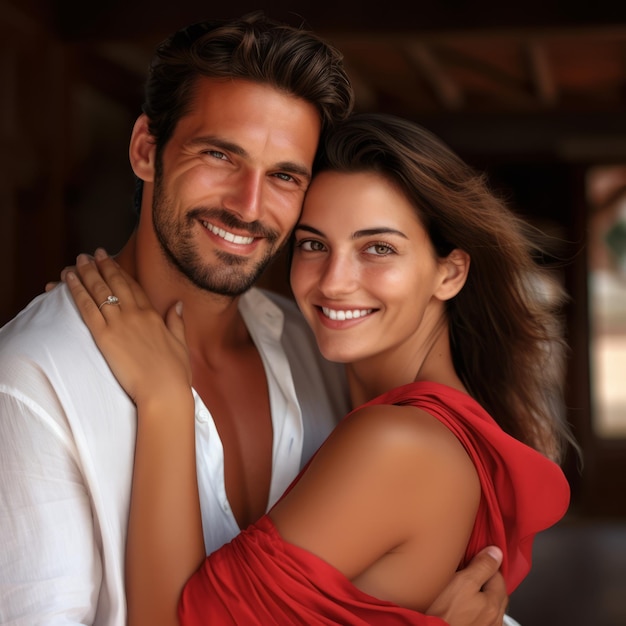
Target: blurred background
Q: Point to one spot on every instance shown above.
(533, 94)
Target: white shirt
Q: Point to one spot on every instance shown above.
(67, 436)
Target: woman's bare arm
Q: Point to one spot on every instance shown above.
(390, 501)
(165, 543)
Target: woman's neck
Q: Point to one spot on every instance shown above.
(423, 359)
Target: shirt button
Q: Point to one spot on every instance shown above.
(203, 416)
(225, 506)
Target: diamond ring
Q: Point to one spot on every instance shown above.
(110, 300)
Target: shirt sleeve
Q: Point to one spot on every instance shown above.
(50, 568)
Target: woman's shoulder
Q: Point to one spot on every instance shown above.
(404, 425)
(388, 479)
(401, 439)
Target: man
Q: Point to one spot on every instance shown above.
(224, 149)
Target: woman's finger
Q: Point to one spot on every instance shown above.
(102, 294)
(53, 283)
(107, 283)
(174, 322)
(87, 308)
(119, 280)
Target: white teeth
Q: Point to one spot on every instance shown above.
(345, 315)
(224, 234)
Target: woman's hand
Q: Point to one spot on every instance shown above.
(149, 357)
(476, 596)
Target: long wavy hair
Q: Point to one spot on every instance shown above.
(506, 333)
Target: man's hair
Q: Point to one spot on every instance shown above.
(253, 48)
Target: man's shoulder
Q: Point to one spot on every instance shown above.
(49, 322)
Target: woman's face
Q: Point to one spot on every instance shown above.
(364, 271)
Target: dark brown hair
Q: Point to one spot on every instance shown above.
(505, 330)
(254, 48)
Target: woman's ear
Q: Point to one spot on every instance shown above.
(455, 268)
(142, 150)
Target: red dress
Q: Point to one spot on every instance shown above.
(258, 578)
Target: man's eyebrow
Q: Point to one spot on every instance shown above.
(294, 168)
(228, 146)
(217, 142)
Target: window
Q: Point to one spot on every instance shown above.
(606, 189)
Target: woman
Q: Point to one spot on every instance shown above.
(415, 276)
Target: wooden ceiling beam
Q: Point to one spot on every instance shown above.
(446, 90)
(541, 74)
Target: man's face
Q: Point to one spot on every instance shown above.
(230, 182)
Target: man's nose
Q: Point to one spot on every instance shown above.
(245, 198)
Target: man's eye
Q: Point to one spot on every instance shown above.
(286, 177)
(217, 154)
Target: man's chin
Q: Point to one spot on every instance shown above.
(232, 286)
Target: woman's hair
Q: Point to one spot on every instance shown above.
(506, 337)
(253, 48)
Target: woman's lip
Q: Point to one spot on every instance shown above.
(341, 322)
(345, 314)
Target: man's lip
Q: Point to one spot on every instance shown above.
(226, 235)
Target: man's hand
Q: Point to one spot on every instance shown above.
(476, 596)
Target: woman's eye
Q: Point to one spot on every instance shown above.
(310, 245)
(380, 249)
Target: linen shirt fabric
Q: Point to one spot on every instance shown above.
(67, 437)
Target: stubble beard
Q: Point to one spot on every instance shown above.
(232, 275)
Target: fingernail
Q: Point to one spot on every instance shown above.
(69, 275)
(100, 254)
(82, 259)
(495, 553)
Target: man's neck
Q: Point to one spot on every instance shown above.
(212, 322)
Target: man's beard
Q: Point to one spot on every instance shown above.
(233, 275)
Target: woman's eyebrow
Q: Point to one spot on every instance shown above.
(308, 229)
(365, 232)
(381, 230)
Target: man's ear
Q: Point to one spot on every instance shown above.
(455, 268)
(142, 150)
